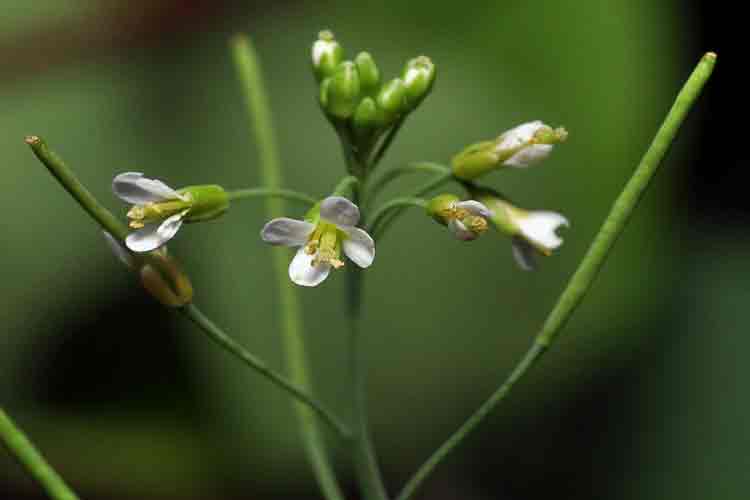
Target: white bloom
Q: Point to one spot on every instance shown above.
(157, 213)
(523, 137)
(537, 233)
(468, 219)
(320, 244)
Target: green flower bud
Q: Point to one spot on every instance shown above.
(343, 91)
(206, 202)
(369, 75)
(392, 99)
(519, 147)
(365, 118)
(326, 55)
(418, 76)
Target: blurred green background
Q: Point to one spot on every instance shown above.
(641, 397)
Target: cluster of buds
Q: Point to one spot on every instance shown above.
(352, 92)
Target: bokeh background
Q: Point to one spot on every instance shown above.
(642, 397)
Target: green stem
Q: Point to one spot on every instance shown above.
(386, 144)
(70, 182)
(390, 175)
(346, 186)
(589, 267)
(365, 460)
(218, 336)
(29, 457)
(421, 191)
(395, 204)
(246, 62)
(287, 194)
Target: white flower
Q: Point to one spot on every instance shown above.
(467, 220)
(537, 232)
(525, 139)
(321, 242)
(157, 213)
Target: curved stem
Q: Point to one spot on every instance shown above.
(346, 186)
(287, 194)
(390, 175)
(589, 267)
(218, 336)
(389, 218)
(392, 133)
(248, 68)
(29, 457)
(385, 209)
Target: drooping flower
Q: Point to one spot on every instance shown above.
(466, 219)
(533, 232)
(327, 229)
(159, 211)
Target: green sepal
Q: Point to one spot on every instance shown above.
(503, 211)
(439, 207)
(475, 160)
(313, 215)
(343, 91)
(369, 74)
(206, 202)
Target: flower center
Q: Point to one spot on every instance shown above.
(474, 223)
(140, 215)
(325, 245)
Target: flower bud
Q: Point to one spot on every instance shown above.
(163, 278)
(365, 118)
(343, 91)
(369, 75)
(519, 147)
(391, 99)
(418, 77)
(206, 202)
(326, 55)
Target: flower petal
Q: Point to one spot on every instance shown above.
(529, 156)
(524, 254)
(152, 236)
(475, 207)
(520, 136)
(303, 273)
(460, 231)
(286, 231)
(340, 211)
(119, 250)
(539, 228)
(359, 247)
(133, 188)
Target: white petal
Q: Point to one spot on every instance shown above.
(152, 236)
(132, 187)
(529, 156)
(340, 211)
(539, 228)
(119, 250)
(303, 273)
(524, 254)
(520, 135)
(460, 230)
(475, 207)
(286, 231)
(359, 247)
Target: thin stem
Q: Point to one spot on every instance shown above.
(218, 336)
(589, 267)
(77, 190)
(246, 62)
(421, 191)
(29, 457)
(365, 460)
(390, 175)
(346, 186)
(392, 133)
(395, 204)
(287, 194)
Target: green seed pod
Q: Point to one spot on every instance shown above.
(343, 91)
(418, 76)
(369, 75)
(326, 55)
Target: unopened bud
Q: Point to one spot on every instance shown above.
(343, 91)
(365, 118)
(326, 55)
(369, 74)
(418, 77)
(392, 99)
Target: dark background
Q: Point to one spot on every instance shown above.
(643, 397)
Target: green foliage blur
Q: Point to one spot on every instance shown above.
(445, 320)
